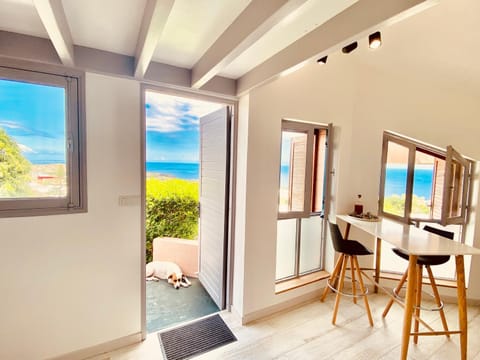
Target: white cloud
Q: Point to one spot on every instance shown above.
(167, 113)
(26, 149)
(10, 124)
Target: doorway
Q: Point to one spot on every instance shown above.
(186, 154)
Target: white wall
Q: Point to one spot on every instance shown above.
(73, 281)
(313, 94)
(240, 188)
(361, 101)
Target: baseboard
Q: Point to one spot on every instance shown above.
(289, 304)
(97, 351)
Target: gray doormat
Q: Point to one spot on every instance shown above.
(195, 338)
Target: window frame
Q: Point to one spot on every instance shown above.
(73, 82)
(310, 193)
(308, 129)
(448, 156)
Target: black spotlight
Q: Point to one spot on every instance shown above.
(349, 48)
(322, 60)
(375, 40)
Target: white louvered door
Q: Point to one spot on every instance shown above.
(214, 155)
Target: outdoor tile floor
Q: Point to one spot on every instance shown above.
(167, 306)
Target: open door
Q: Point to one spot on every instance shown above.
(214, 185)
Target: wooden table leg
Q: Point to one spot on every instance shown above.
(409, 302)
(462, 305)
(347, 231)
(378, 257)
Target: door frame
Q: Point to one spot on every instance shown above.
(232, 160)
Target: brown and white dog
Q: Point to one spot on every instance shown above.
(166, 270)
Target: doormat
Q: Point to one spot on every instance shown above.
(195, 338)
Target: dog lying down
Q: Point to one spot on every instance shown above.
(166, 270)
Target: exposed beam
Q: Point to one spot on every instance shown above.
(257, 18)
(154, 19)
(55, 22)
(351, 24)
(19, 47)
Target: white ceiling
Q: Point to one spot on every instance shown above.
(110, 25)
(192, 26)
(21, 16)
(440, 41)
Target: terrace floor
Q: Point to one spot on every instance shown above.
(167, 306)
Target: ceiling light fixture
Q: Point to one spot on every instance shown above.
(375, 40)
(349, 48)
(322, 60)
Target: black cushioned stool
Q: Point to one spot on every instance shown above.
(349, 250)
(427, 261)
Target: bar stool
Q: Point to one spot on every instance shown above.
(349, 250)
(427, 261)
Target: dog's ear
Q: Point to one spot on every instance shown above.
(170, 276)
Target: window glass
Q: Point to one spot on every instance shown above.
(286, 239)
(310, 244)
(395, 179)
(423, 185)
(33, 141)
(42, 140)
(303, 188)
(293, 168)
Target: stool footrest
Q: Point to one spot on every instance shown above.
(435, 333)
(335, 290)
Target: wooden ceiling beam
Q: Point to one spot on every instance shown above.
(257, 18)
(352, 24)
(155, 17)
(55, 22)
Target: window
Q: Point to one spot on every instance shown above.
(302, 198)
(42, 150)
(421, 183)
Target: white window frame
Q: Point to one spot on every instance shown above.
(73, 81)
(307, 212)
(453, 160)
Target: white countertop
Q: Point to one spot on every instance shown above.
(413, 240)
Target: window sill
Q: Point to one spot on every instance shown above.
(300, 281)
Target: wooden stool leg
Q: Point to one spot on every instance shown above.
(437, 299)
(418, 300)
(362, 288)
(339, 289)
(354, 288)
(397, 289)
(333, 275)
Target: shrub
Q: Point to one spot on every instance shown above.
(14, 168)
(171, 210)
(395, 204)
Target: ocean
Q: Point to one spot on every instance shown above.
(179, 170)
(396, 178)
(395, 182)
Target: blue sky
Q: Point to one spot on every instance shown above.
(173, 126)
(33, 115)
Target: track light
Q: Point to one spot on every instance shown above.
(322, 60)
(375, 40)
(349, 48)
